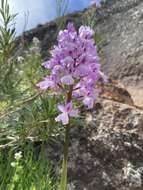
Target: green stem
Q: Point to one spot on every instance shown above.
(63, 183)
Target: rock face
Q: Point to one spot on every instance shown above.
(108, 153)
(122, 49)
(120, 24)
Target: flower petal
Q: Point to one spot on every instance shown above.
(68, 80)
(43, 85)
(74, 113)
(85, 32)
(62, 108)
(71, 27)
(69, 107)
(89, 102)
(64, 118)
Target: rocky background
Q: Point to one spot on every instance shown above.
(106, 152)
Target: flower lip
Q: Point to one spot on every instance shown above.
(67, 80)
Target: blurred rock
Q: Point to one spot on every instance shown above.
(108, 153)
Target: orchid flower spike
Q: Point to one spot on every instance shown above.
(73, 68)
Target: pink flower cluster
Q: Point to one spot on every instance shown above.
(74, 65)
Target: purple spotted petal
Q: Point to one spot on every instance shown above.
(46, 64)
(85, 32)
(69, 107)
(68, 80)
(71, 27)
(89, 102)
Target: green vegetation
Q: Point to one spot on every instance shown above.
(61, 6)
(26, 115)
(26, 170)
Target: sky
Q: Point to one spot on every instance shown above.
(40, 11)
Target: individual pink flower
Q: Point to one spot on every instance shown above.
(67, 111)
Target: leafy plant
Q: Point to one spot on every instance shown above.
(89, 19)
(61, 10)
(26, 169)
(7, 31)
(61, 7)
(7, 44)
